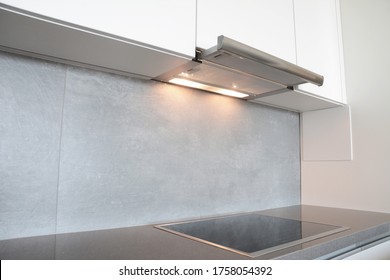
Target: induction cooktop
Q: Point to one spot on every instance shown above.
(251, 234)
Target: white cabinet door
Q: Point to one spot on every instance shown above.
(267, 25)
(319, 45)
(326, 135)
(168, 24)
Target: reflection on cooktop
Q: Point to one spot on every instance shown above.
(251, 234)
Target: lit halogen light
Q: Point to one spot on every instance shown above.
(187, 83)
(230, 92)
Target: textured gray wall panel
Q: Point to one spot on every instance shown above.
(138, 152)
(31, 97)
(132, 151)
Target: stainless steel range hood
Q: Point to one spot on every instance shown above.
(238, 70)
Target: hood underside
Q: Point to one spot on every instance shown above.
(235, 69)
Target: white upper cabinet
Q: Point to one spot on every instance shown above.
(168, 24)
(267, 25)
(149, 37)
(326, 134)
(319, 45)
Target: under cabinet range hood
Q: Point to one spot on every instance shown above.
(235, 69)
(230, 68)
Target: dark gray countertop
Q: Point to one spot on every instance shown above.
(147, 242)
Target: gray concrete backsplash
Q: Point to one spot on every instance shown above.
(85, 150)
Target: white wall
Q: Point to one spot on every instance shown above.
(363, 183)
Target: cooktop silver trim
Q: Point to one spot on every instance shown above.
(257, 253)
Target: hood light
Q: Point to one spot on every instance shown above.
(197, 85)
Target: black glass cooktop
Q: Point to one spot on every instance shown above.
(251, 234)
